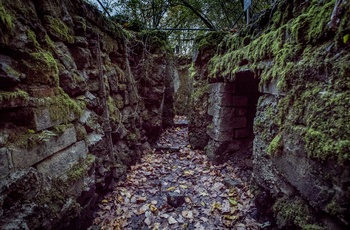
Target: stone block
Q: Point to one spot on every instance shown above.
(41, 91)
(23, 158)
(239, 122)
(221, 87)
(62, 161)
(5, 165)
(240, 133)
(271, 88)
(42, 119)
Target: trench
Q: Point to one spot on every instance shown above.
(177, 187)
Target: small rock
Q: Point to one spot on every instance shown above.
(229, 182)
(175, 200)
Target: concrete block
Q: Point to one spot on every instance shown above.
(22, 158)
(60, 162)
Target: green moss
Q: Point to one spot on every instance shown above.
(6, 21)
(155, 40)
(291, 212)
(42, 68)
(49, 43)
(6, 96)
(32, 38)
(59, 129)
(81, 23)
(114, 112)
(300, 57)
(59, 29)
(199, 92)
(275, 146)
(80, 169)
(63, 107)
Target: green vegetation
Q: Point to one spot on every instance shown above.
(294, 211)
(13, 96)
(42, 68)
(55, 198)
(63, 107)
(32, 37)
(49, 43)
(59, 29)
(114, 112)
(275, 145)
(156, 41)
(6, 22)
(298, 55)
(79, 170)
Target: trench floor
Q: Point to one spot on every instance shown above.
(175, 187)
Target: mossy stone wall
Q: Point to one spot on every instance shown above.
(301, 146)
(71, 109)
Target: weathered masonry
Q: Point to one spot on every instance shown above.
(292, 63)
(76, 109)
(232, 106)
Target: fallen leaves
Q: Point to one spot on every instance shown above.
(178, 190)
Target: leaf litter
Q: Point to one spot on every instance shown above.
(175, 187)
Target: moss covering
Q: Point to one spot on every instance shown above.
(114, 112)
(59, 29)
(310, 64)
(6, 21)
(275, 146)
(62, 107)
(6, 96)
(80, 169)
(49, 43)
(54, 200)
(32, 38)
(42, 68)
(294, 211)
(156, 41)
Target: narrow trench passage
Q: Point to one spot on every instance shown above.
(175, 187)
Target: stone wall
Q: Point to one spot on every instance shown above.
(299, 54)
(232, 107)
(199, 119)
(74, 111)
(182, 86)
